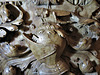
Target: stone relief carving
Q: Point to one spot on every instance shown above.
(49, 37)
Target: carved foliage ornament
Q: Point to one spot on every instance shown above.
(49, 37)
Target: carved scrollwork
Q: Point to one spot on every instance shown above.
(49, 37)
